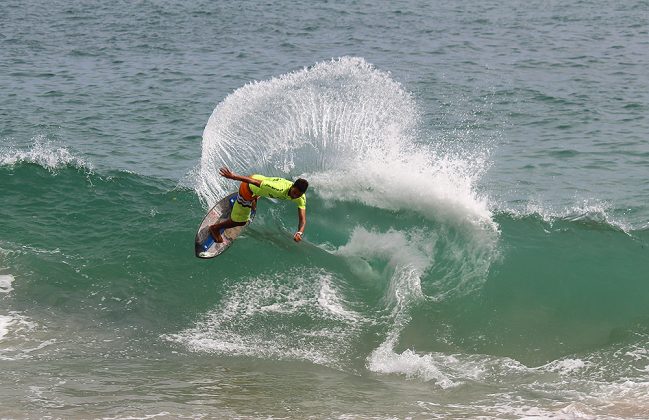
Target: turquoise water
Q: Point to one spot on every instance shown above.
(477, 232)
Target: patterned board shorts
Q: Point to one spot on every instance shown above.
(246, 201)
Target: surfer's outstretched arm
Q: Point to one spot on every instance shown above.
(301, 215)
(226, 173)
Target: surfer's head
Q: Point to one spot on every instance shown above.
(298, 188)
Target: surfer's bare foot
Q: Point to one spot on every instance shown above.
(216, 234)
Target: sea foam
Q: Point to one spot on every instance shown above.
(5, 322)
(250, 320)
(12, 325)
(43, 153)
(5, 283)
(594, 212)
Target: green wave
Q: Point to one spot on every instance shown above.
(117, 249)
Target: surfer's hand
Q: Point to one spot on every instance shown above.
(226, 173)
(297, 237)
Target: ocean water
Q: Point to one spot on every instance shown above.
(477, 222)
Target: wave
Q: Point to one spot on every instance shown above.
(588, 212)
(404, 216)
(430, 314)
(371, 292)
(405, 270)
(355, 134)
(43, 153)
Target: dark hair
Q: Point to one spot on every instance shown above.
(301, 184)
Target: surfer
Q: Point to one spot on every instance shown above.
(256, 186)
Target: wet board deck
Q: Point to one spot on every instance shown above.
(204, 244)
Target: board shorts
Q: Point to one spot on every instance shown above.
(245, 203)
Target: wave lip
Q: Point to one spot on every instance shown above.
(588, 212)
(45, 154)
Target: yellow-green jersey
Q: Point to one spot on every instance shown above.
(276, 188)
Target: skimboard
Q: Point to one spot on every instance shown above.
(204, 244)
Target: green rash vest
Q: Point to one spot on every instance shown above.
(276, 188)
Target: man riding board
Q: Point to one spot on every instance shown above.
(256, 186)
